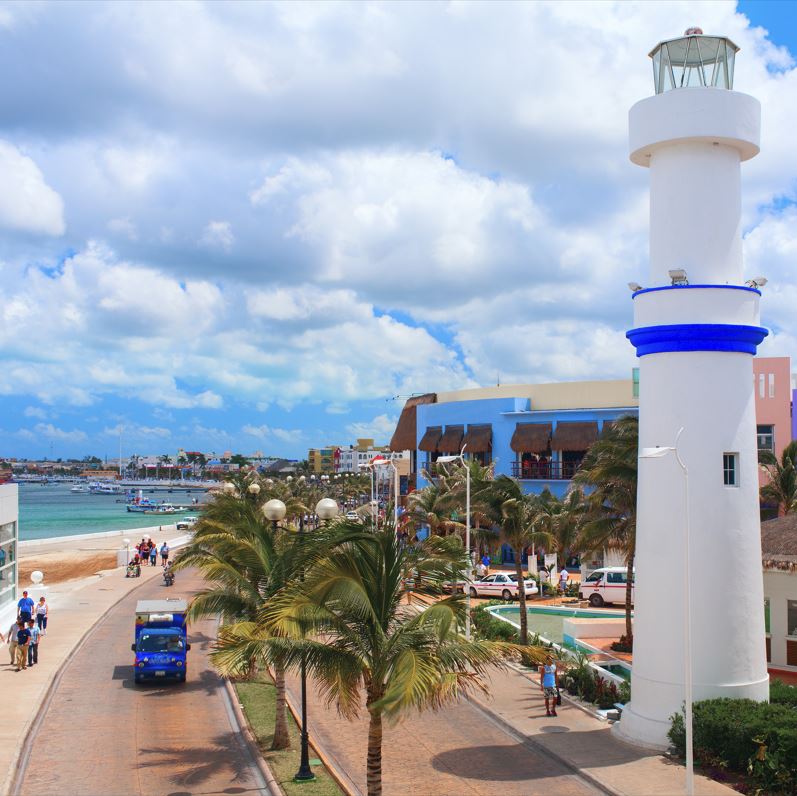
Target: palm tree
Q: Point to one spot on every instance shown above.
(346, 617)
(562, 518)
(246, 561)
(434, 504)
(610, 466)
(782, 487)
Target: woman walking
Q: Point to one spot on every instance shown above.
(153, 554)
(42, 612)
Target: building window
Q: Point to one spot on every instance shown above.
(635, 377)
(766, 438)
(771, 385)
(762, 386)
(791, 617)
(766, 615)
(730, 469)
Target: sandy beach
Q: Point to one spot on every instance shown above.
(71, 557)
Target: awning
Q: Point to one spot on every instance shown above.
(404, 436)
(574, 436)
(451, 441)
(479, 439)
(531, 437)
(430, 439)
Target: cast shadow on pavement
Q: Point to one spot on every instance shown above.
(505, 763)
(193, 765)
(206, 680)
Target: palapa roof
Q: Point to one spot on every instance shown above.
(574, 436)
(779, 543)
(478, 439)
(531, 438)
(404, 436)
(451, 441)
(430, 439)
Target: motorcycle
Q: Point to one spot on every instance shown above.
(168, 576)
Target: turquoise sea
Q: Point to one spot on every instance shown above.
(53, 510)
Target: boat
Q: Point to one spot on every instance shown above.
(79, 488)
(142, 505)
(104, 488)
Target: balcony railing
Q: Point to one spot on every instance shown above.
(545, 471)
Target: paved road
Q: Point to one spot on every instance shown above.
(103, 735)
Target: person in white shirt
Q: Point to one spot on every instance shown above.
(12, 642)
(563, 580)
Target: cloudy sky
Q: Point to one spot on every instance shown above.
(260, 225)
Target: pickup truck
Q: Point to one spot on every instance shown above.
(186, 523)
(161, 643)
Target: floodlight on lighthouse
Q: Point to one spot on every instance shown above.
(678, 276)
(757, 281)
(693, 60)
(634, 287)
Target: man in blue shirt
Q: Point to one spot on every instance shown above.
(23, 637)
(25, 608)
(33, 644)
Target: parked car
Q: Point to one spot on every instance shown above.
(502, 584)
(605, 586)
(352, 515)
(186, 523)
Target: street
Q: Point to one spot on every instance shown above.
(101, 734)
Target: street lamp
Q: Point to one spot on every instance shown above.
(658, 453)
(325, 509)
(378, 462)
(228, 488)
(444, 460)
(275, 511)
(253, 489)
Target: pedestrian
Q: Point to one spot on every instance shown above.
(25, 607)
(563, 576)
(486, 563)
(549, 685)
(23, 638)
(42, 612)
(153, 554)
(12, 642)
(544, 578)
(164, 554)
(33, 644)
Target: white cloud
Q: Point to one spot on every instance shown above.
(27, 202)
(266, 432)
(134, 431)
(218, 234)
(35, 411)
(125, 227)
(51, 432)
(379, 428)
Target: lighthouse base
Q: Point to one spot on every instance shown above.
(643, 731)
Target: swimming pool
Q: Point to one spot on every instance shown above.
(546, 621)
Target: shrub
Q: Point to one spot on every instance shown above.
(624, 644)
(488, 627)
(756, 738)
(782, 694)
(584, 682)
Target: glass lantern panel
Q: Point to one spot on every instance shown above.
(731, 62)
(657, 70)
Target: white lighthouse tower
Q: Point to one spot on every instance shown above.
(696, 328)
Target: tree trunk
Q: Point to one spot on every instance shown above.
(374, 767)
(521, 598)
(281, 738)
(629, 582)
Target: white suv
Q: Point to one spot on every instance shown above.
(605, 585)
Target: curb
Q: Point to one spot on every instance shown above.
(335, 771)
(249, 737)
(529, 741)
(19, 763)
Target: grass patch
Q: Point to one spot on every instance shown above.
(258, 698)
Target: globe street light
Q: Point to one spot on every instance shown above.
(228, 488)
(275, 511)
(325, 509)
(253, 489)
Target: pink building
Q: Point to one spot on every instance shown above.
(773, 395)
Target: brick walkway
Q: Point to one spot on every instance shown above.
(458, 750)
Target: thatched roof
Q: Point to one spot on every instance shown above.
(404, 436)
(430, 439)
(451, 441)
(531, 438)
(779, 543)
(570, 436)
(479, 439)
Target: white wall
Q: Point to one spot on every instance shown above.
(9, 513)
(779, 587)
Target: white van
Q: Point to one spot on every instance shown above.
(605, 586)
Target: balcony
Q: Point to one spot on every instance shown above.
(545, 471)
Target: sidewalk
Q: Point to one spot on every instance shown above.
(75, 607)
(586, 742)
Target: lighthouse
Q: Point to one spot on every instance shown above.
(699, 603)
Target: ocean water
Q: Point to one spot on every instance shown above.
(53, 510)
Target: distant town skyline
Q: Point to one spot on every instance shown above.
(264, 225)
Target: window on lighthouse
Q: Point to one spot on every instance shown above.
(730, 469)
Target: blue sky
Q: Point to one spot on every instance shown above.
(253, 226)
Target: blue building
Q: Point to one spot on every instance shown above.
(537, 433)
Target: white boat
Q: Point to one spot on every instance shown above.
(104, 488)
(79, 488)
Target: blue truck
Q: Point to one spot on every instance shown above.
(161, 644)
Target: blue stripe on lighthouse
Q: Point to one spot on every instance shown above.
(696, 337)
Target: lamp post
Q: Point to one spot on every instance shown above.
(461, 457)
(657, 453)
(253, 489)
(325, 509)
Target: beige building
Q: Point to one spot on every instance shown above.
(779, 552)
